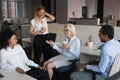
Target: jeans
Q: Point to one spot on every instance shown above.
(84, 75)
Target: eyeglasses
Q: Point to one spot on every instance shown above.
(66, 30)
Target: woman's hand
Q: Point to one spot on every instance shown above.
(45, 65)
(65, 46)
(39, 67)
(50, 42)
(20, 70)
(43, 29)
(49, 17)
(37, 32)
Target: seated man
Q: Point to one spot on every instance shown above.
(13, 57)
(109, 50)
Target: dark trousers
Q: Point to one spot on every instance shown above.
(40, 46)
(38, 74)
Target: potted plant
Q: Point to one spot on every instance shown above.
(90, 42)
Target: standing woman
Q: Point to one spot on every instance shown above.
(39, 28)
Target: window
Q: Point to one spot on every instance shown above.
(9, 8)
(4, 9)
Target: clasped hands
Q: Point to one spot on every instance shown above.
(41, 31)
(18, 69)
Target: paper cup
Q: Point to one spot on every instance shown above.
(89, 44)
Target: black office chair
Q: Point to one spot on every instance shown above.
(119, 40)
(64, 71)
(52, 36)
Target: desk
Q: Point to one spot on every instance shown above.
(13, 75)
(93, 51)
(88, 54)
(86, 21)
(28, 40)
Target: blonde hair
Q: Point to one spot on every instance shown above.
(71, 28)
(36, 13)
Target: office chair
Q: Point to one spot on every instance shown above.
(59, 72)
(114, 69)
(64, 71)
(119, 40)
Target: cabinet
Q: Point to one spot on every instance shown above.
(86, 21)
(114, 22)
(66, 9)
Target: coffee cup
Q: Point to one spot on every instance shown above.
(89, 44)
(64, 42)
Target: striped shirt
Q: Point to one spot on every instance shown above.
(108, 52)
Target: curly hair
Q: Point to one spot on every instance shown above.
(4, 37)
(108, 30)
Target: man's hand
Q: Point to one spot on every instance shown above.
(20, 70)
(93, 62)
(82, 66)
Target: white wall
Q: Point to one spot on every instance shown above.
(65, 8)
(92, 8)
(83, 32)
(112, 7)
(76, 6)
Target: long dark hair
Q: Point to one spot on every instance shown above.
(4, 37)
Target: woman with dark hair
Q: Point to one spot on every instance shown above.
(13, 57)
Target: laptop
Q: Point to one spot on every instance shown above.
(52, 36)
(1, 76)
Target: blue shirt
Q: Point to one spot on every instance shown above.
(74, 50)
(108, 52)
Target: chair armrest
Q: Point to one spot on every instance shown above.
(119, 40)
(74, 60)
(93, 73)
